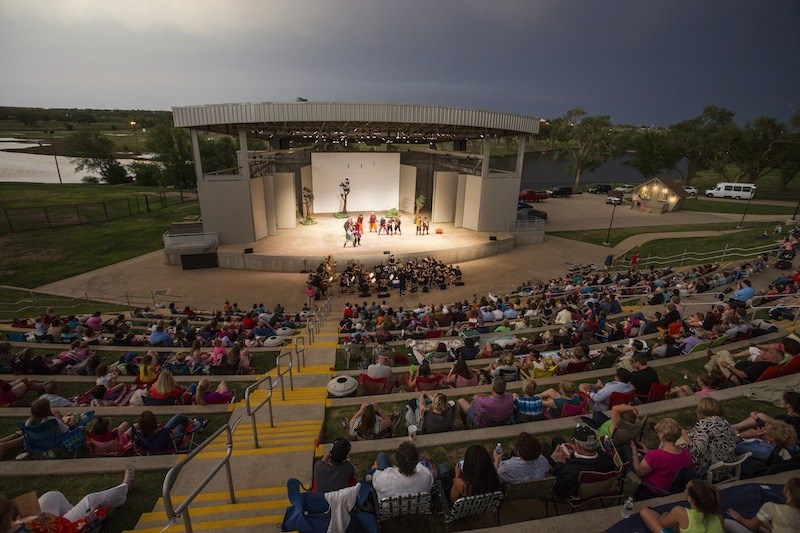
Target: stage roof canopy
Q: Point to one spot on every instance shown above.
(305, 122)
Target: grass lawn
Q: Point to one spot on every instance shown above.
(736, 207)
(663, 248)
(141, 498)
(37, 257)
(38, 194)
(18, 303)
(598, 236)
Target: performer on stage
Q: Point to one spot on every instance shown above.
(357, 237)
(360, 223)
(397, 226)
(348, 237)
(383, 226)
(390, 226)
(418, 224)
(348, 224)
(373, 222)
(425, 225)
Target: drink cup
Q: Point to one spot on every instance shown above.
(412, 431)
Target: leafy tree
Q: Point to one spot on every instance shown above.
(27, 116)
(702, 141)
(308, 202)
(218, 154)
(787, 156)
(755, 148)
(95, 152)
(589, 141)
(148, 174)
(173, 149)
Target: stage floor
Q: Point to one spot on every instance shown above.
(304, 247)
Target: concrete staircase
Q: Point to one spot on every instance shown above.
(259, 474)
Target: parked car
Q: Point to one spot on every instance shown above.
(614, 197)
(600, 189)
(691, 191)
(529, 195)
(562, 190)
(626, 189)
(529, 213)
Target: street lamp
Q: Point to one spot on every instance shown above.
(53, 146)
(741, 224)
(608, 235)
(135, 137)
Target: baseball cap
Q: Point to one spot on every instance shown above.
(586, 437)
(340, 449)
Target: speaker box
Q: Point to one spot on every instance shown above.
(460, 145)
(248, 250)
(492, 237)
(283, 144)
(195, 261)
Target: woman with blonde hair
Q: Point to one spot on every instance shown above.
(554, 400)
(712, 439)
(166, 387)
(657, 468)
(436, 417)
(205, 396)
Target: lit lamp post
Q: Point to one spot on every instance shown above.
(135, 137)
(608, 235)
(53, 146)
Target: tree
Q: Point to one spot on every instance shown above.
(654, 153)
(755, 148)
(95, 152)
(173, 149)
(588, 141)
(308, 202)
(147, 174)
(419, 203)
(787, 157)
(345, 186)
(702, 141)
(218, 154)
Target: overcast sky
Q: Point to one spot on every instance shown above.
(642, 62)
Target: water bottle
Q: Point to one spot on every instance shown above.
(627, 507)
(498, 449)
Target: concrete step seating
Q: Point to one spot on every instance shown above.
(291, 436)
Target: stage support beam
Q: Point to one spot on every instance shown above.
(198, 164)
(520, 154)
(244, 161)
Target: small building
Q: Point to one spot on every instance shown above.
(660, 195)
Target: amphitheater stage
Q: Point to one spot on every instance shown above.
(304, 247)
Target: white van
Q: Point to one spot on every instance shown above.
(741, 191)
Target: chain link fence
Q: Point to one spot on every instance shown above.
(17, 219)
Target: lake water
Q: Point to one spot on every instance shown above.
(35, 168)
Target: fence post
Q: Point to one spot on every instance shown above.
(683, 257)
(181, 191)
(46, 217)
(106, 210)
(128, 299)
(147, 203)
(78, 212)
(8, 218)
(725, 251)
(127, 199)
(138, 207)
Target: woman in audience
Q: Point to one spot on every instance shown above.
(779, 443)
(460, 375)
(11, 392)
(712, 439)
(702, 516)
(148, 425)
(705, 384)
(147, 369)
(166, 387)
(554, 400)
(42, 412)
(657, 468)
(528, 406)
(774, 517)
(477, 476)
(205, 396)
(424, 371)
(369, 421)
(436, 416)
(106, 440)
(753, 426)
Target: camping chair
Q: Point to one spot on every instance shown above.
(620, 398)
(736, 465)
(374, 386)
(718, 342)
(407, 504)
(468, 505)
(699, 347)
(657, 391)
(682, 477)
(163, 442)
(222, 370)
(431, 383)
(107, 445)
(538, 489)
(574, 367)
(773, 371)
(538, 373)
(601, 486)
(604, 360)
(46, 438)
(626, 431)
(447, 420)
(384, 434)
(791, 367)
(568, 409)
(509, 375)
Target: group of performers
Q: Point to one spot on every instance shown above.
(413, 275)
(354, 229)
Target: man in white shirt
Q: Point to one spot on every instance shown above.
(564, 316)
(408, 477)
(601, 394)
(381, 369)
(56, 400)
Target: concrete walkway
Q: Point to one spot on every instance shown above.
(637, 240)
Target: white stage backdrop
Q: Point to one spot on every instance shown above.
(374, 180)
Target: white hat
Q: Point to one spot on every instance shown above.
(359, 326)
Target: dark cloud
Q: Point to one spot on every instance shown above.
(640, 62)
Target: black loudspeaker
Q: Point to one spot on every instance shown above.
(248, 250)
(492, 237)
(460, 145)
(386, 252)
(283, 144)
(195, 261)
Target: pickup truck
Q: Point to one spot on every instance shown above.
(529, 195)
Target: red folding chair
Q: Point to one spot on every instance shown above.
(576, 366)
(658, 391)
(621, 398)
(791, 367)
(771, 372)
(374, 386)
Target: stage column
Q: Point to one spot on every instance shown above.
(198, 164)
(244, 162)
(520, 155)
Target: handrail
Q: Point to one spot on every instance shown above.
(281, 374)
(183, 509)
(300, 351)
(729, 253)
(310, 321)
(773, 297)
(252, 412)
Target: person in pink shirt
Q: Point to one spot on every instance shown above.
(95, 322)
(705, 384)
(488, 410)
(657, 468)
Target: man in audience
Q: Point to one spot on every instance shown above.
(160, 337)
(528, 407)
(486, 411)
(527, 465)
(744, 293)
(334, 471)
(600, 394)
(643, 375)
(380, 370)
(568, 460)
(51, 394)
(408, 477)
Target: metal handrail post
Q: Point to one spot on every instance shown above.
(252, 412)
(281, 373)
(300, 350)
